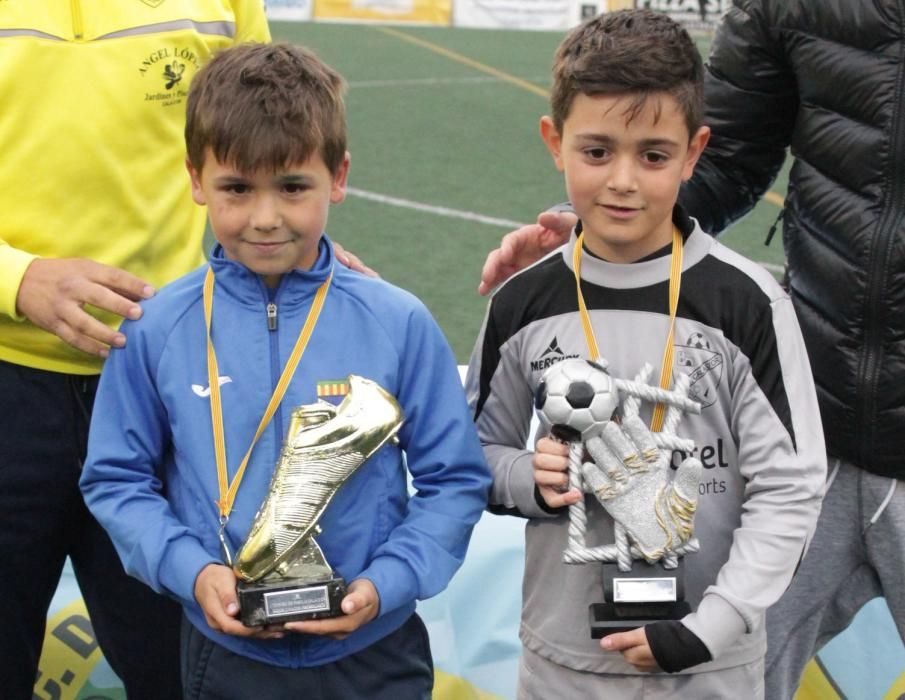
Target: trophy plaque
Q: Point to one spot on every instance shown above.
(630, 474)
(282, 573)
(646, 593)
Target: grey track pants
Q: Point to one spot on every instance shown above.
(857, 554)
(541, 679)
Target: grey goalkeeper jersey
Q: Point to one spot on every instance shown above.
(758, 435)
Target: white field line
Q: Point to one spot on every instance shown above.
(467, 215)
(419, 82)
(431, 209)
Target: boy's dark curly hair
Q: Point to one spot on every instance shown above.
(629, 52)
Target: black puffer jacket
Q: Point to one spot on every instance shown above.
(826, 77)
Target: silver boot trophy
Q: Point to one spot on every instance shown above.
(629, 473)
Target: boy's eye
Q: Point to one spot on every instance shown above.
(294, 188)
(237, 188)
(596, 153)
(655, 157)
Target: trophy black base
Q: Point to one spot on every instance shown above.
(276, 602)
(610, 618)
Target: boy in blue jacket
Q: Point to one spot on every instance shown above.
(210, 357)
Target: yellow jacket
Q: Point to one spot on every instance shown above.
(92, 109)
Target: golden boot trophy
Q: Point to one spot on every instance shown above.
(282, 572)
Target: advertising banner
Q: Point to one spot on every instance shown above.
(419, 11)
(288, 9)
(550, 15)
(693, 12)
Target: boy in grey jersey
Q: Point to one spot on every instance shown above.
(626, 131)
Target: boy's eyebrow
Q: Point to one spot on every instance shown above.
(294, 177)
(653, 143)
(605, 140)
(228, 179)
(291, 178)
(595, 138)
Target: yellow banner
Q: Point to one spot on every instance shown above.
(450, 687)
(69, 654)
(422, 11)
(815, 685)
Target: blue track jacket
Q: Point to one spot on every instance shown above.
(151, 480)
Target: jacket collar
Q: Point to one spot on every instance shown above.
(649, 271)
(246, 287)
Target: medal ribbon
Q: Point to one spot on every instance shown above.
(675, 284)
(228, 490)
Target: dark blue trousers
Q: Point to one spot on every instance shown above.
(397, 667)
(43, 432)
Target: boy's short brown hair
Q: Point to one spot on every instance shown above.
(637, 52)
(266, 106)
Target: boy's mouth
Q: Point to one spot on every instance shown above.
(620, 212)
(267, 245)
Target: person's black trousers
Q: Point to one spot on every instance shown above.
(397, 667)
(44, 420)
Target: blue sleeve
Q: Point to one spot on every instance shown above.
(122, 479)
(449, 474)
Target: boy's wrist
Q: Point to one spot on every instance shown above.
(674, 646)
(522, 490)
(183, 561)
(717, 623)
(544, 506)
(394, 582)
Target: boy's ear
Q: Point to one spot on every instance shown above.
(338, 190)
(695, 148)
(551, 136)
(195, 176)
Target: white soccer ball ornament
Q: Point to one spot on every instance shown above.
(576, 397)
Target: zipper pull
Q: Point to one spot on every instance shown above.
(271, 316)
(772, 230)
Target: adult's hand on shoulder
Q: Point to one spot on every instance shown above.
(54, 292)
(524, 246)
(352, 261)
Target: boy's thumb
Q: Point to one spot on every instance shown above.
(351, 603)
(229, 602)
(618, 641)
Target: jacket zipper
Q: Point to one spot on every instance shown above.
(274, 338)
(878, 270)
(271, 310)
(78, 29)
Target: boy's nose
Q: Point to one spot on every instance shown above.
(266, 215)
(622, 176)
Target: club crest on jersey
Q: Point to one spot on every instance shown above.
(703, 365)
(332, 390)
